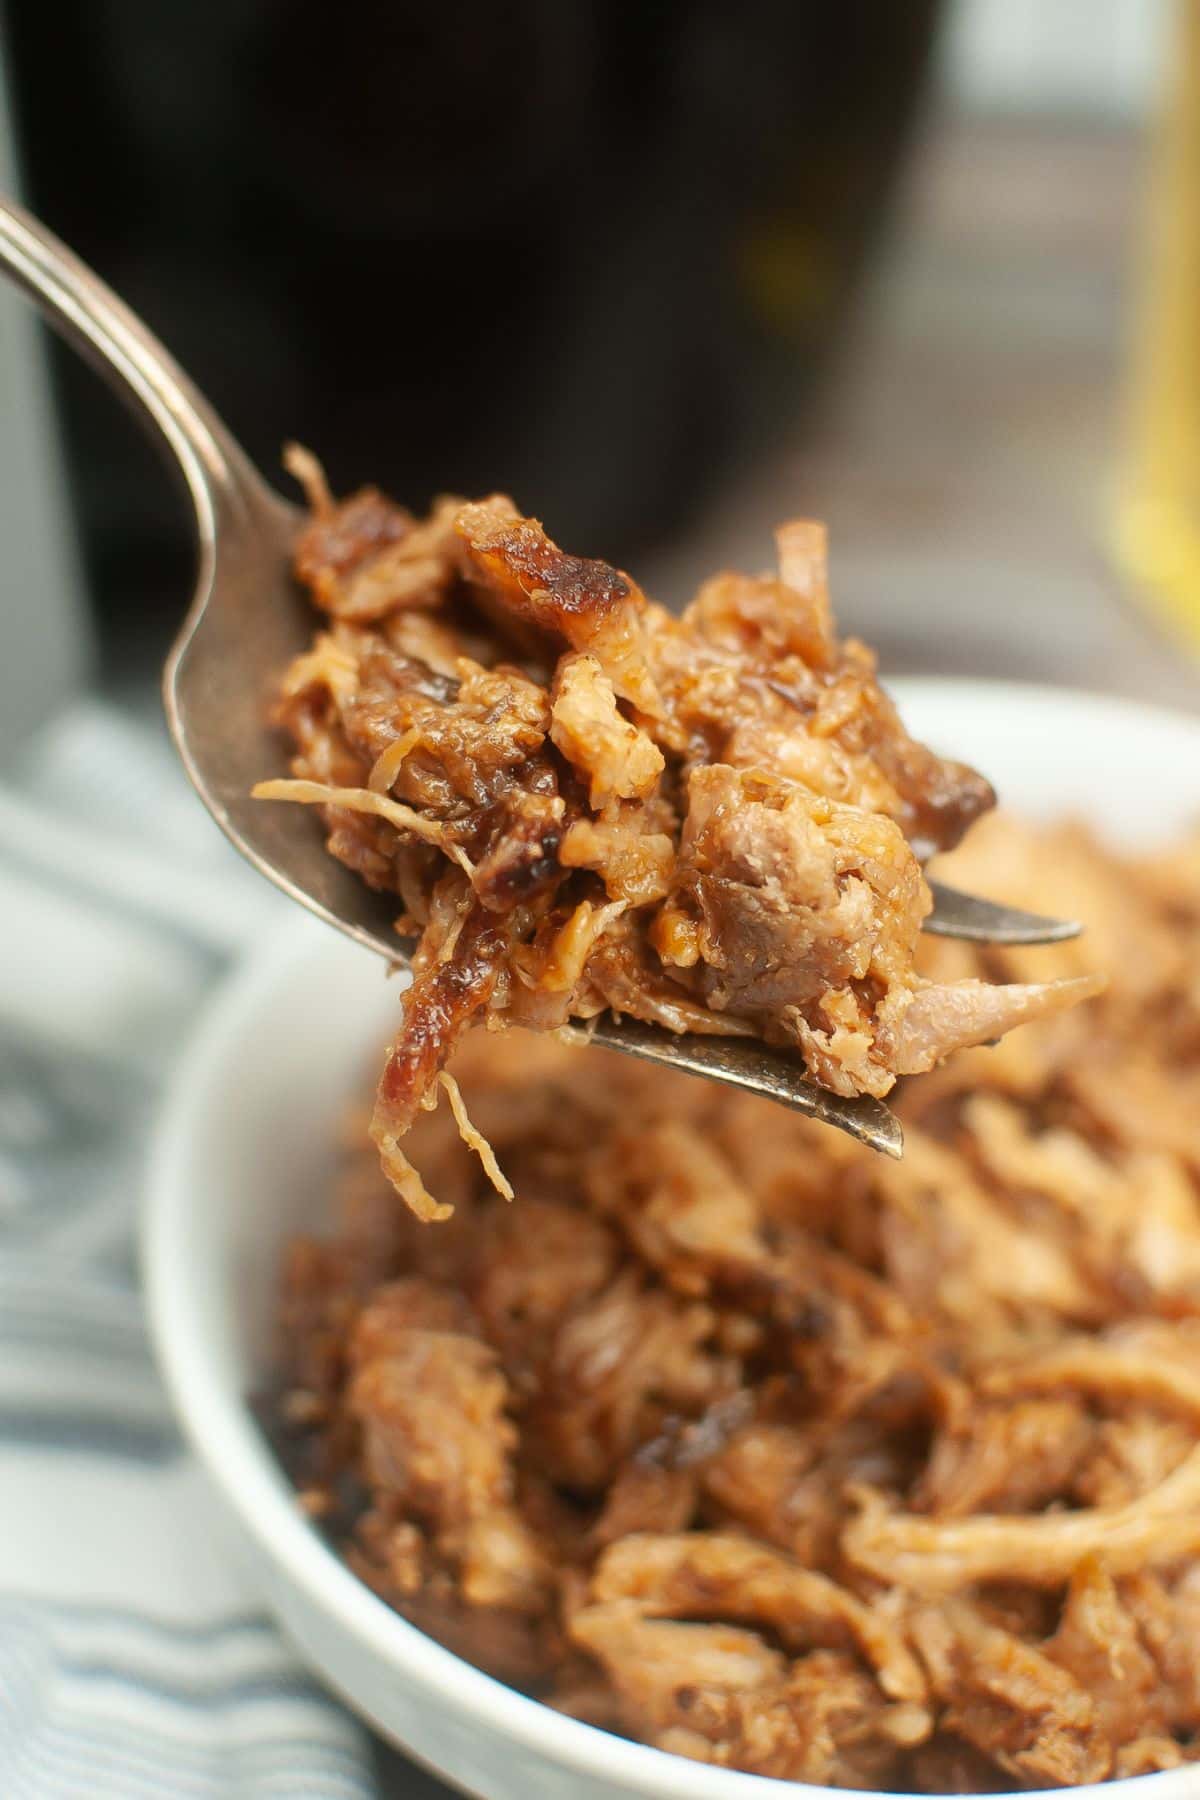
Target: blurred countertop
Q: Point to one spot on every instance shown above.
(967, 449)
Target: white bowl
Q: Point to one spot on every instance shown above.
(242, 1161)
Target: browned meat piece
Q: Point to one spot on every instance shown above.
(950, 1241)
(397, 1308)
(523, 1301)
(935, 1556)
(617, 759)
(802, 705)
(445, 747)
(1131, 1456)
(1098, 1642)
(366, 557)
(431, 1402)
(938, 1020)
(1023, 1710)
(444, 999)
(719, 1694)
(343, 539)
(646, 1497)
(808, 912)
(1012, 1459)
(707, 1575)
(590, 605)
(625, 846)
(758, 1481)
(939, 799)
(680, 1204)
(666, 1672)
(1157, 1365)
(624, 974)
(632, 1360)
(521, 861)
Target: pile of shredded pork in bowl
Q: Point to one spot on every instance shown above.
(728, 1448)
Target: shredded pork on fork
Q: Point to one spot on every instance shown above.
(715, 823)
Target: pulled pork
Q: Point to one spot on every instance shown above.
(714, 822)
(739, 1440)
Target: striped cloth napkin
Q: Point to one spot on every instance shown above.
(132, 1662)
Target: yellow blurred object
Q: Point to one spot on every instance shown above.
(1158, 526)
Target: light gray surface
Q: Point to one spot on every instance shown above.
(46, 647)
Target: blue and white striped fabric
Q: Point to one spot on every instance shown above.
(131, 1662)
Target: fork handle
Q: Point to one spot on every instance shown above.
(85, 311)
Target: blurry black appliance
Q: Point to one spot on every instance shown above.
(590, 251)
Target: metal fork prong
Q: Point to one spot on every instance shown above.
(978, 921)
(749, 1064)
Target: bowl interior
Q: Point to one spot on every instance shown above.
(246, 1149)
(301, 1060)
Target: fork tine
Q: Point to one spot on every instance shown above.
(977, 921)
(752, 1065)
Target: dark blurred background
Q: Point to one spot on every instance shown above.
(596, 252)
(667, 270)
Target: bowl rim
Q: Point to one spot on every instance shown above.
(232, 1447)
